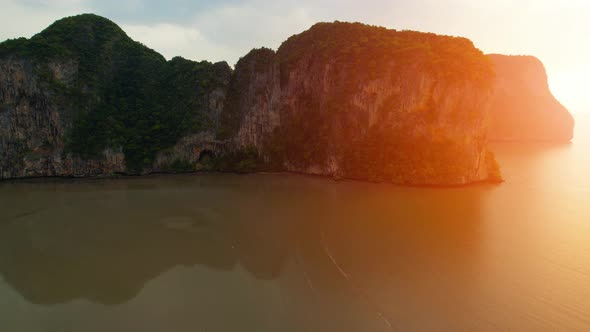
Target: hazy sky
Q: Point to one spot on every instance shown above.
(555, 31)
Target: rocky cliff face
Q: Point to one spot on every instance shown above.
(353, 101)
(82, 99)
(345, 100)
(254, 99)
(523, 108)
(33, 126)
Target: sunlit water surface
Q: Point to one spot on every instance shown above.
(293, 253)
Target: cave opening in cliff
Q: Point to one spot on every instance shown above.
(206, 157)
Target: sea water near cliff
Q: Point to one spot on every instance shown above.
(277, 252)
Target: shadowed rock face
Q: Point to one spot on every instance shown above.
(523, 108)
(355, 101)
(345, 100)
(83, 99)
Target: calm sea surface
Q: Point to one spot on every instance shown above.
(293, 253)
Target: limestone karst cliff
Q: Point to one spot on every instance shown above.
(355, 101)
(523, 108)
(82, 99)
(344, 100)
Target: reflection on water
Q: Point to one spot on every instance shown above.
(297, 253)
(292, 253)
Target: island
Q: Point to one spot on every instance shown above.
(345, 100)
(523, 107)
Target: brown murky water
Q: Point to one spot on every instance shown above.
(292, 253)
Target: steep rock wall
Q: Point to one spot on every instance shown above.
(523, 107)
(82, 99)
(35, 123)
(353, 101)
(33, 126)
(345, 100)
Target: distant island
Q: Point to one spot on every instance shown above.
(345, 100)
(523, 108)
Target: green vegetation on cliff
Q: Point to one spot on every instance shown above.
(362, 51)
(123, 93)
(366, 102)
(342, 99)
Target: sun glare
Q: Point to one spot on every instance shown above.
(570, 87)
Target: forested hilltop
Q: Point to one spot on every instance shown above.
(345, 100)
(82, 88)
(356, 101)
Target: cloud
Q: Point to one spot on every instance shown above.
(55, 4)
(175, 40)
(151, 12)
(226, 32)
(26, 18)
(217, 30)
(169, 39)
(241, 27)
